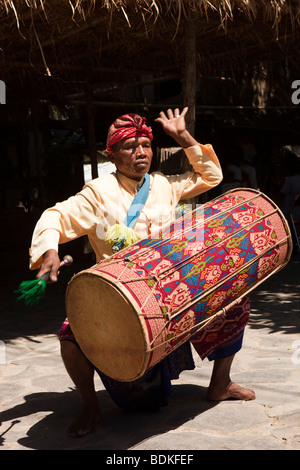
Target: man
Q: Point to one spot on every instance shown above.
(90, 212)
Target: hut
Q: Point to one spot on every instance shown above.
(68, 67)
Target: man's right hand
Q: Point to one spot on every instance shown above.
(50, 264)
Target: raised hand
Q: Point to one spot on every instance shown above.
(174, 125)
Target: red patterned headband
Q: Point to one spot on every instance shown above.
(124, 127)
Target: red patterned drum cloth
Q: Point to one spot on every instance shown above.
(130, 311)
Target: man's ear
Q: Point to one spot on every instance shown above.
(111, 157)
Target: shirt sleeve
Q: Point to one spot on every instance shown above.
(206, 174)
(64, 222)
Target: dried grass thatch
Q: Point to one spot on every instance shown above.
(247, 52)
(103, 40)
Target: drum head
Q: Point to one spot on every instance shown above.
(106, 326)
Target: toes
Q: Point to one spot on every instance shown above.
(232, 391)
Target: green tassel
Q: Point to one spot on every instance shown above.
(31, 291)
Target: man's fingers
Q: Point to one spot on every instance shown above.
(161, 116)
(53, 276)
(184, 111)
(170, 113)
(51, 269)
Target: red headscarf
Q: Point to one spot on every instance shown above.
(124, 127)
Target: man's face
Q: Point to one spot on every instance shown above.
(132, 157)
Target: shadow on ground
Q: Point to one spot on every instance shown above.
(118, 430)
(276, 303)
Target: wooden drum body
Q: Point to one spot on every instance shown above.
(130, 311)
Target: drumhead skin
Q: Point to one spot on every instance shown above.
(106, 326)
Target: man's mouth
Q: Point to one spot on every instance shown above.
(141, 163)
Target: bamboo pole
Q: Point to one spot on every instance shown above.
(190, 82)
(190, 73)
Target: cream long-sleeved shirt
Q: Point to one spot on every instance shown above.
(105, 201)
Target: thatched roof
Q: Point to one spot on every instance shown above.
(109, 41)
(247, 53)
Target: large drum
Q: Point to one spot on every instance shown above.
(131, 310)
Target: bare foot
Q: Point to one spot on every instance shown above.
(231, 391)
(84, 422)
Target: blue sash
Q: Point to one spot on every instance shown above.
(135, 209)
(138, 202)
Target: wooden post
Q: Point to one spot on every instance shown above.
(190, 73)
(91, 131)
(190, 82)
